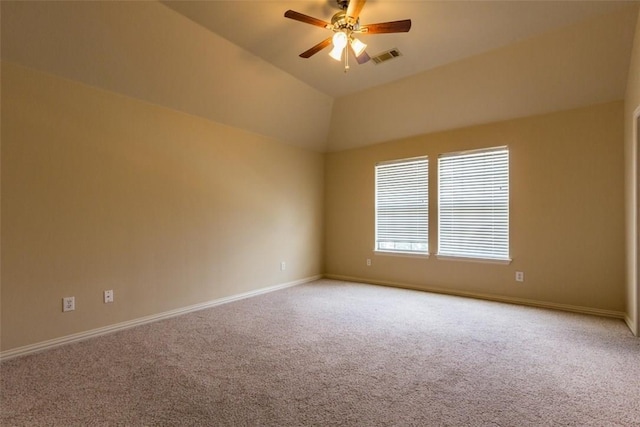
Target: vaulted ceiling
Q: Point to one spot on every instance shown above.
(236, 62)
(442, 32)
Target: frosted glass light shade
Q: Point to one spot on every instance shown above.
(340, 39)
(336, 53)
(358, 46)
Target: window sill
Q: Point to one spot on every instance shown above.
(402, 254)
(480, 260)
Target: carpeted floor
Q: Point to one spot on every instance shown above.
(335, 353)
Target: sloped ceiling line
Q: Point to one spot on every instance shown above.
(236, 62)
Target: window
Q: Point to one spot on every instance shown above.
(473, 204)
(402, 206)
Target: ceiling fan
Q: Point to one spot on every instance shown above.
(344, 25)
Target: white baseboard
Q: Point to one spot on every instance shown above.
(56, 342)
(505, 299)
(632, 325)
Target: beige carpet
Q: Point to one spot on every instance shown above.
(334, 353)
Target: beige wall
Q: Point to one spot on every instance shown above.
(100, 191)
(632, 103)
(566, 211)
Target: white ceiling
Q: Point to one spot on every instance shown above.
(442, 32)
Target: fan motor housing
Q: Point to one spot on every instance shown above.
(339, 22)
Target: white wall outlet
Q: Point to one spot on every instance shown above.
(519, 276)
(368, 262)
(283, 266)
(68, 303)
(108, 296)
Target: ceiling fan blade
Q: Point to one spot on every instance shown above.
(362, 59)
(317, 48)
(387, 27)
(353, 10)
(297, 16)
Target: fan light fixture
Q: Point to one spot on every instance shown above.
(340, 40)
(357, 46)
(344, 25)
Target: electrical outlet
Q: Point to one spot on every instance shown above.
(108, 296)
(368, 262)
(519, 276)
(68, 304)
(283, 266)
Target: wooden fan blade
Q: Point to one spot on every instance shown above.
(362, 59)
(317, 48)
(387, 27)
(353, 10)
(297, 16)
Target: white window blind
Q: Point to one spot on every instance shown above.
(473, 204)
(402, 206)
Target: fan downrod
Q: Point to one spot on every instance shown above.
(343, 4)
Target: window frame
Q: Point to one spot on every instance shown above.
(500, 257)
(377, 238)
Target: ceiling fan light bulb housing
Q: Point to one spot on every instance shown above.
(358, 46)
(336, 53)
(340, 40)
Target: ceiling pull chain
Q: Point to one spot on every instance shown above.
(346, 59)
